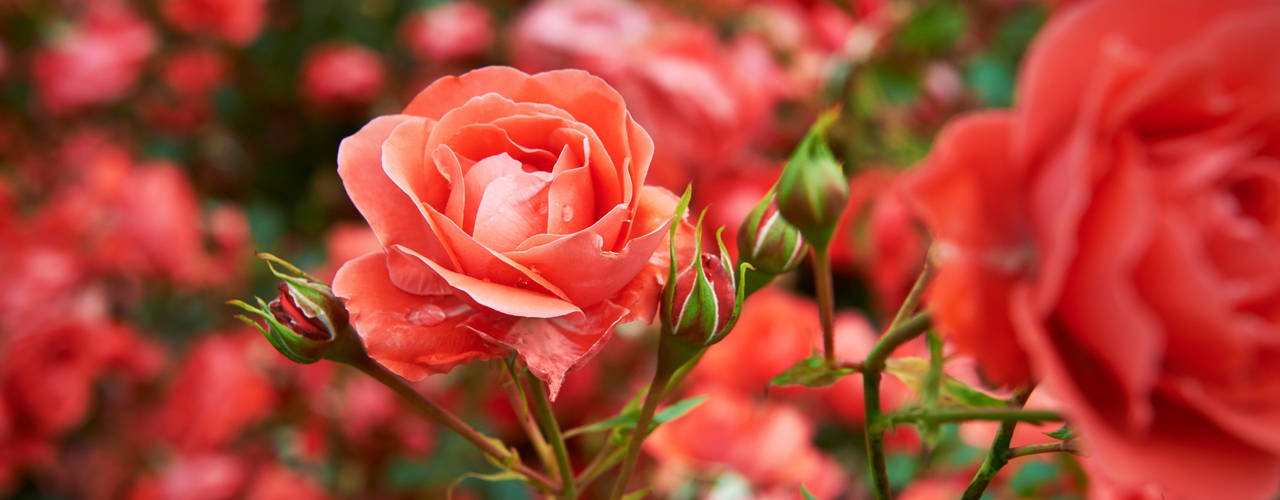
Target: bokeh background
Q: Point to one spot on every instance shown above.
(149, 147)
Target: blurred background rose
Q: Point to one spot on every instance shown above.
(148, 147)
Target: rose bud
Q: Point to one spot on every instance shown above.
(769, 244)
(704, 301)
(306, 322)
(701, 302)
(812, 191)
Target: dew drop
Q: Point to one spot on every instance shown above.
(426, 315)
(566, 213)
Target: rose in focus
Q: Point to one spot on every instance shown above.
(1116, 233)
(512, 214)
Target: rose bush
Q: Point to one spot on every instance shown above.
(1116, 235)
(512, 215)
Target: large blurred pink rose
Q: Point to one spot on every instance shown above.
(512, 213)
(1115, 234)
(95, 61)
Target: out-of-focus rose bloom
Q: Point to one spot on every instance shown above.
(235, 21)
(194, 72)
(48, 372)
(95, 60)
(879, 238)
(565, 33)
(513, 214)
(277, 482)
(222, 387)
(341, 75)
(448, 31)
(942, 488)
(206, 476)
(139, 220)
(369, 415)
(1115, 234)
(775, 330)
(703, 101)
(768, 444)
(4, 61)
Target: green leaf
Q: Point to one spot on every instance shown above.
(954, 393)
(636, 495)
(812, 371)
(627, 419)
(505, 475)
(1063, 433)
(807, 496)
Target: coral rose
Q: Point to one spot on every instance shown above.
(512, 214)
(1116, 234)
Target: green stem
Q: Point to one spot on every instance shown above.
(998, 455)
(547, 420)
(608, 457)
(903, 328)
(826, 300)
(656, 390)
(521, 406)
(1036, 449)
(432, 411)
(945, 415)
(871, 368)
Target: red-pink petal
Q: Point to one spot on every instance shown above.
(551, 347)
(505, 299)
(411, 335)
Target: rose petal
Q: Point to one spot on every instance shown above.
(478, 178)
(379, 199)
(551, 347)
(561, 261)
(1049, 84)
(411, 335)
(505, 299)
(968, 197)
(1100, 303)
(1181, 451)
(513, 209)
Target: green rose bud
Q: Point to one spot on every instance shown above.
(769, 244)
(812, 191)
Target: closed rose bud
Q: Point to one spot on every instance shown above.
(306, 322)
(705, 297)
(812, 191)
(771, 245)
(300, 319)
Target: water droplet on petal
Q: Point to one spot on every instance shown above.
(426, 315)
(566, 213)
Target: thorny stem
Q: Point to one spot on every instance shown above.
(945, 415)
(998, 455)
(547, 420)
(900, 331)
(1035, 449)
(434, 412)
(826, 301)
(871, 369)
